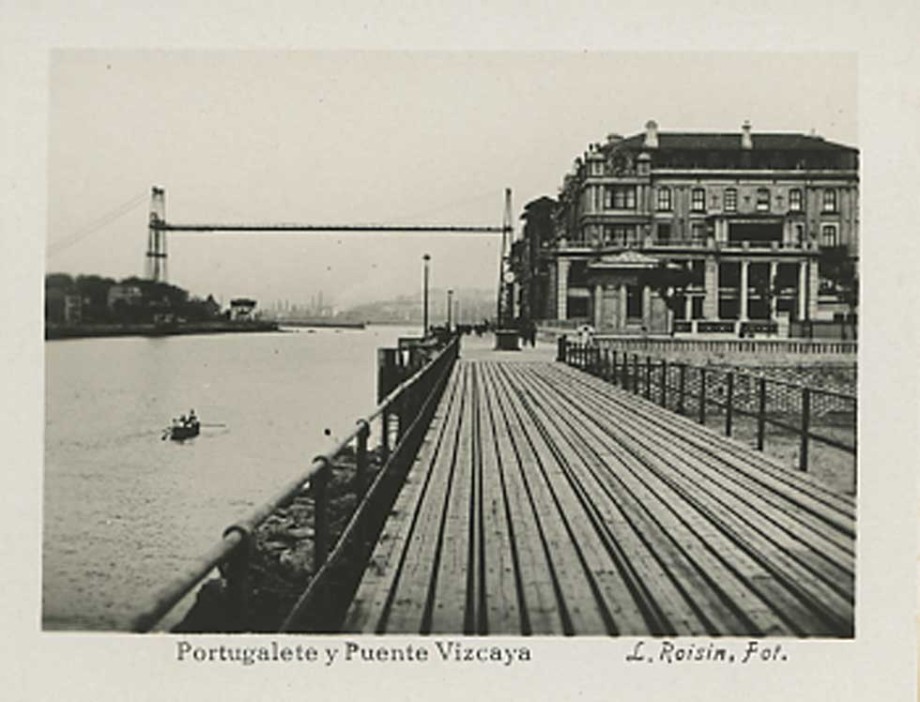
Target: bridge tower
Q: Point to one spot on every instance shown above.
(155, 268)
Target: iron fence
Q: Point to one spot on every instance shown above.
(713, 394)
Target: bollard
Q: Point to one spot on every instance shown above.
(806, 421)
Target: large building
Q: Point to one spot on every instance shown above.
(731, 233)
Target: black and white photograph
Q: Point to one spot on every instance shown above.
(373, 362)
(411, 359)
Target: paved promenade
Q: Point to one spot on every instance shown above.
(545, 501)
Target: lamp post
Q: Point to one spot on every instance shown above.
(450, 295)
(426, 258)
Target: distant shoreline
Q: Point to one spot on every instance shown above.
(88, 331)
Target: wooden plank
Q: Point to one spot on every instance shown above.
(722, 469)
(693, 596)
(410, 598)
(498, 603)
(763, 540)
(369, 604)
(586, 614)
(455, 573)
(541, 613)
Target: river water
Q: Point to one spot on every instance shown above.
(124, 510)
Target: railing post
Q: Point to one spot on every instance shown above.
(681, 386)
(236, 574)
(761, 411)
(663, 399)
(648, 377)
(729, 401)
(702, 395)
(806, 421)
(361, 466)
(385, 435)
(319, 485)
(561, 349)
(636, 373)
(614, 373)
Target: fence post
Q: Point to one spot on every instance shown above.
(681, 386)
(385, 435)
(729, 402)
(702, 395)
(648, 377)
(236, 573)
(806, 421)
(361, 458)
(761, 411)
(664, 383)
(320, 484)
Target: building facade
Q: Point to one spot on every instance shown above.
(702, 233)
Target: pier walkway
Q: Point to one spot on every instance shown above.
(546, 501)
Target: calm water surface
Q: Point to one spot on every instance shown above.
(125, 510)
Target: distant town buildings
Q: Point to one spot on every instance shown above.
(702, 233)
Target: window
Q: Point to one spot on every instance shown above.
(620, 197)
(795, 200)
(763, 200)
(829, 235)
(624, 235)
(698, 200)
(664, 232)
(664, 199)
(696, 231)
(830, 200)
(800, 234)
(731, 200)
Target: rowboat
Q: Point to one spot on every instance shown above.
(181, 432)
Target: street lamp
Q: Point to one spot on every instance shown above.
(426, 258)
(450, 295)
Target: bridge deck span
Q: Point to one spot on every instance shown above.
(545, 501)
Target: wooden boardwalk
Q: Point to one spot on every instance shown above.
(545, 501)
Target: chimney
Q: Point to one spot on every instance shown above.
(746, 141)
(651, 134)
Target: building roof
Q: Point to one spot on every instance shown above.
(731, 141)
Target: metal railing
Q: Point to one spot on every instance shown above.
(814, 415)
(398, 424)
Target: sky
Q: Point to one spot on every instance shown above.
(370, 137)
